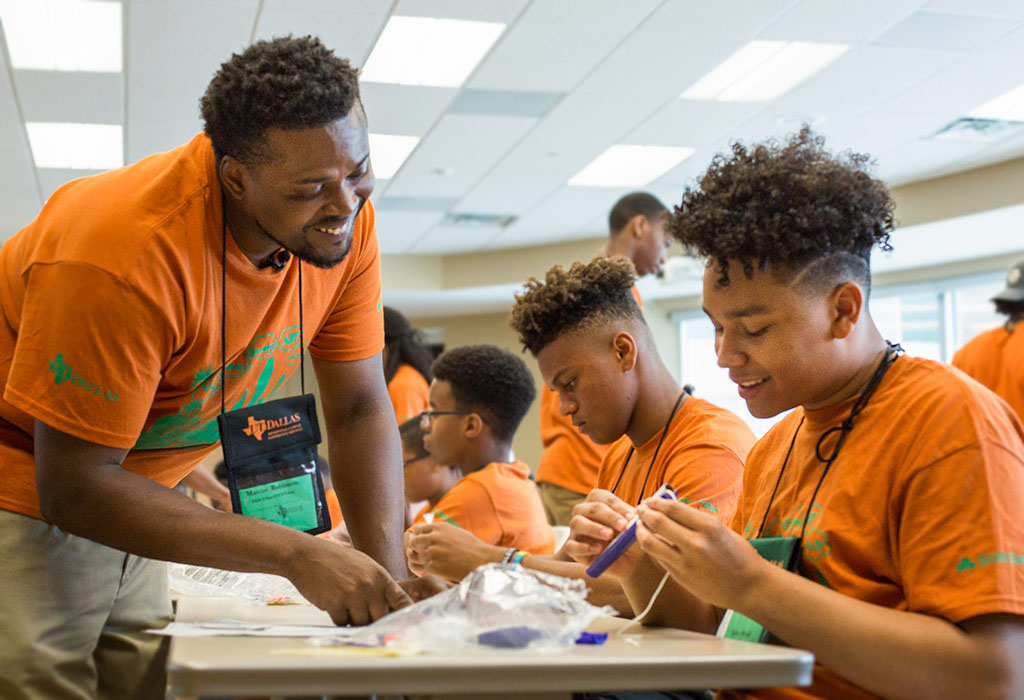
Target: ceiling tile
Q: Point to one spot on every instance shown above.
(398, 230)
(922, 159)
(456, 154)
(409, 110)
(174, 49)
(504, 11)
(63, 96)
(994, 8)
(946, 31)
(516, 103)
(350, 34)
(834, 21)
(453, 239)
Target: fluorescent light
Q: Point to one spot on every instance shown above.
(630, 166)
(763, 70)
(1008, 106)
(388, 152)
(67, 35)
(429, 51)
(77, 146)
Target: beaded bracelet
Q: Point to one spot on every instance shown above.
(509, 553)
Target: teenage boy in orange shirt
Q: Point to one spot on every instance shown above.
(478, 397)
(595, 350)
(904, 480)
(570, 461)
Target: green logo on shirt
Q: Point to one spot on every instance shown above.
(994, 558)
(62, 372)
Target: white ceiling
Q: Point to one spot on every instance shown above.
(583, 75)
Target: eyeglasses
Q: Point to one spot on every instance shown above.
(427, 416)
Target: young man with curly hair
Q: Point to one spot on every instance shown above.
(113, 373)
(478, 397)
(902, 479)
(996, 357)
(597, 353)
(570, 460)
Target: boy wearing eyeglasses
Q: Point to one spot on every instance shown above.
(478, 397)
(900, 479)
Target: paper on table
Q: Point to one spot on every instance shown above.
(224, 627)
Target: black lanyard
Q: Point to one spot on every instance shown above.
(657, 449)
(224, 317)
(892, 351)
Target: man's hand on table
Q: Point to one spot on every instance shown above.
(349, 585)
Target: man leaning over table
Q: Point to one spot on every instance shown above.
(110, 359)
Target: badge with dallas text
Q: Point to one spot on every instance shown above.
(270, 451)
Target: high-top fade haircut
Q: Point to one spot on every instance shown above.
(792, 208)
(568, 300)
(632, 205)
(490, 381)
(285, 83)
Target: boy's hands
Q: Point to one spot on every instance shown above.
(711, 561)
(444, 550)
(595, 523)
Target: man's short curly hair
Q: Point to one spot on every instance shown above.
(490, 381)
(285, 83)
(791, 207)
(567, 300)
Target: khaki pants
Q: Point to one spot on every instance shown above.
(558, 502)
(72, 615)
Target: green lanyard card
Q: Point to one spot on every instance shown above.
(781, 551)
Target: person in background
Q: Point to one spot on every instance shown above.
(406, 366)
(113, 374)
(478, 397)
(570, 460)
(996, 357)
(594, 348)
(901, 479)
(426, 481)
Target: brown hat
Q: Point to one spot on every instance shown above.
(1014, 285)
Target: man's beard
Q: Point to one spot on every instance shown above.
(307, 253)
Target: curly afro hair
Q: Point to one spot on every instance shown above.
(791, 207)
(287, 83)
(566, 300)
(490, 381)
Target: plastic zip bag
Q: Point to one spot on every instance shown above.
(497, 605)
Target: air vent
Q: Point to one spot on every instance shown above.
(478, 220)
(978, 130)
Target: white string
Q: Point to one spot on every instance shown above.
(650, 604)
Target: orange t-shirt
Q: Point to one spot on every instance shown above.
(409, 393)
(112, 306)
(333, 507)
(569, 459)
(500, 505)
(701, 457)
(921, 510)
(996, 359)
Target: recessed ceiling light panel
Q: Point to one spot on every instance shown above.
(429, 51)
(76, 146)
(1008, 106)
(764, 70)
(625, 165)
(66, 35)
(388, 152)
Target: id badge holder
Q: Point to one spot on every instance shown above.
(270, 451)
(781, 551)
